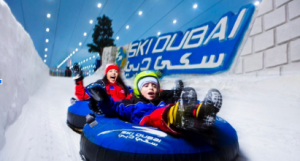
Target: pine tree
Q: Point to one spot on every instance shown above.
(102, 36)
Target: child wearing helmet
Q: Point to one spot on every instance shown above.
(150, 107)
(112, 81)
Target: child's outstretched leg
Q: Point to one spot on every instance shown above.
(207, 110)
(185, 115)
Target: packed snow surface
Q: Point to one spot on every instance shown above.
(264, 111)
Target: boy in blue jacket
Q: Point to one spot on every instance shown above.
(150, 107)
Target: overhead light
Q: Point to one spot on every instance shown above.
(48, 15)
(117, 37)
(47, 29)
(90, 58)
(256, 3)
(174, 21)
(84, 34)
(45, 60)
(47, 40)
(86, 59)
(73, 52)
(45, 55)
(46, 49)
(80, 44)
(140, 12)
(91, 21)
(158, 33)
(195, 6)
(127, 27)
(76, 49)
(99, 5)
(94, 56)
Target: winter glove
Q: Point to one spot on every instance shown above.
(97, 92)
(101, 83)
(93, 105)
(78, 75)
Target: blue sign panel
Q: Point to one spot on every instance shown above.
(206, 49)
(121, 57)
(0, 81)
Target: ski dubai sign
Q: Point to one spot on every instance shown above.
(207, 49)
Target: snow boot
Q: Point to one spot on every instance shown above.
(181, 114)
(178, 89)
(207, 110)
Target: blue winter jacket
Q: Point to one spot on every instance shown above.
(134, 109)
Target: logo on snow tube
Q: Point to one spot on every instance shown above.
(121, 57)
(154, 136)
(206, 49)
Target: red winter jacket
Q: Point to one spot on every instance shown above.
(113, 89)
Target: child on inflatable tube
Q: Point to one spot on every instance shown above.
(114, 85)
(150, 107)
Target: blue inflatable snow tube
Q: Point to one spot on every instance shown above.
(112, 139)
(76, 115)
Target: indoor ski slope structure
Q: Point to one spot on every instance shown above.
(260, 90)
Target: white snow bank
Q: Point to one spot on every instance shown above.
(21, 69)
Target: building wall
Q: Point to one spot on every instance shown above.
(273, 45)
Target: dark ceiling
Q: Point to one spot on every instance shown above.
(70, 19)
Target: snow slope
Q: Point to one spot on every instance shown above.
(41, 133)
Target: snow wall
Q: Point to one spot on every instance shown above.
(21, 69)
